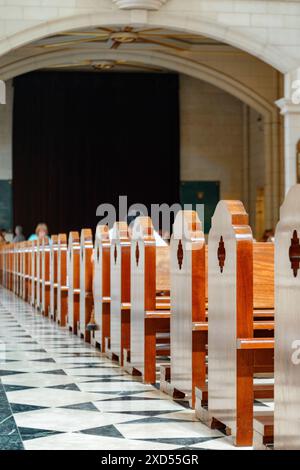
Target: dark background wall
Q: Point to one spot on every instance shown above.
(82, 139)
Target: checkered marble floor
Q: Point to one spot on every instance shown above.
(56, 392)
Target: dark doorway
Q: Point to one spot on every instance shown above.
(82, 139)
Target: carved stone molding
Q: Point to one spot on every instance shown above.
(139, 4)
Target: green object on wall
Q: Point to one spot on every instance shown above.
(205, 193)
(6, 218)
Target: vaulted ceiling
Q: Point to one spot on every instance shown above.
(118, 40)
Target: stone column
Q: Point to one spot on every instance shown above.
(2, 92)
(291, 113)
(290, 109)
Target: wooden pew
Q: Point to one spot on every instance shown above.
(22, 269)
(27, 290)
(101, 287)
(62, 288)
(15, 268)
(10, 257)
(119, 293)
(53, 277)
(2, 264)
(150, 301)
(26, 264)
(240, 293)
(188, 340)
(73, 274)
(19, 286)
(282, 428)
(7, 266)
(33, 272)
(45, 276)
(38, 274)
(86, 283)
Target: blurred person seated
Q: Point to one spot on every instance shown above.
(41, 232)
(19, 237)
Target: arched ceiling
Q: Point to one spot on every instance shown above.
(115, 38)
(127, 48)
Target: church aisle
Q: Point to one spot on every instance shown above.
(56, 392)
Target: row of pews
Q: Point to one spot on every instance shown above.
(197, 317)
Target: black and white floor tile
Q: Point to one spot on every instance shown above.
(56, 392)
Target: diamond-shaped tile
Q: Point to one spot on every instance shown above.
(108, 431)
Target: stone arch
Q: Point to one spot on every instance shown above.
(206, 27)
(160, 59)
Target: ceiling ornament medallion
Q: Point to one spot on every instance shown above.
(180, 254)
(139, 4)
(294, 253)
(221, 254)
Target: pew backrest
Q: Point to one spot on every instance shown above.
(187, 294)
(61, 271)
(119, 281)
(230, 304)
(45, 272)
(33, 271)
(263, 275)
(101, 278)
(86, 273)
(73, 272)
(53, 274)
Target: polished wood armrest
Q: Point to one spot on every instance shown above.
(257, 325)
(266, 313)
(158, 315)
(263, 325)
(200, 326)
(162, 306)
(126, 306)
(255, 343)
